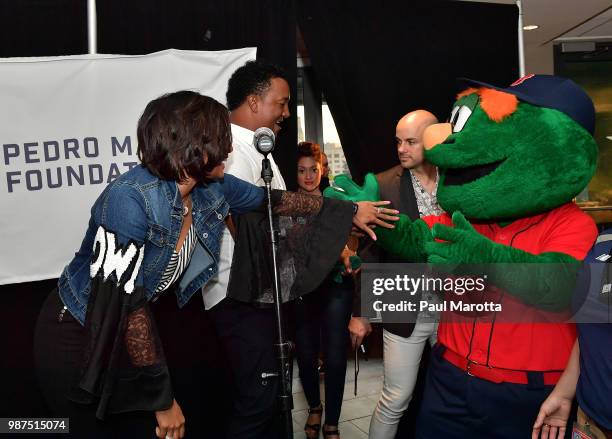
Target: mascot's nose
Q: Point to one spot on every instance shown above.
(436, 134)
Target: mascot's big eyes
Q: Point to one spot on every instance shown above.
(459, 116)
(462, 111)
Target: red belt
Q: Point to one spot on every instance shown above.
(494, 374)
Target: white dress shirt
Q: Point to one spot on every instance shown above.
(245, 163)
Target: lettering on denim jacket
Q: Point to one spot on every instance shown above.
(110, 257)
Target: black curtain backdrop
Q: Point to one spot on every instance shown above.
(377, 61)
(136, 27)
(44, 28)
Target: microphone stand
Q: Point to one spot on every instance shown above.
(283, 347)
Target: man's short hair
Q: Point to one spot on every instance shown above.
(178, 130)
(253, 78)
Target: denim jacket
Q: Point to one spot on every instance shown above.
(141, 208)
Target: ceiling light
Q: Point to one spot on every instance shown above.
(531, 27)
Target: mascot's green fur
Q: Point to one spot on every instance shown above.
(532, 160)
(505, 159)
(510, 162)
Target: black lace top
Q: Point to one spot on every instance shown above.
(312, 233)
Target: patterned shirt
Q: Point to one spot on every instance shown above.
(427, 203)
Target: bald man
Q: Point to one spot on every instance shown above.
(410, 151)
(411, 186)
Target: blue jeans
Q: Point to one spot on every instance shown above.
(321, 324)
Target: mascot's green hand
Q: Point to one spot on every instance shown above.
(341, 269)
(347, 190)
(544, 281)
(407, 240)
(463, 245)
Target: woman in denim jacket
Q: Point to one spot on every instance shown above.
(155, 227)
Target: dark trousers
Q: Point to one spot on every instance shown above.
(196, 364)
(456, 405)
(247, 335)
(58, 350)
(321, 325)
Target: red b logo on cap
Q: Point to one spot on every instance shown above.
(521, 80)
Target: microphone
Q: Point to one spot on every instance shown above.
(264, 140)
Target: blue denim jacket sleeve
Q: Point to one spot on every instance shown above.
(124, 213)
(241, 196)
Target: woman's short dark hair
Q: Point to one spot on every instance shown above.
(178, 131)
(310, 149)
(253, 78)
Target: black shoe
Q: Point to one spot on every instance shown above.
(330, 430)
(312, 430)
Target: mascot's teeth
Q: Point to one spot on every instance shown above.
(459, 176)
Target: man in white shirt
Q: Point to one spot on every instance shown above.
(257, 96)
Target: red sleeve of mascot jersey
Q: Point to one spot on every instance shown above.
(438, 219)
(573, 232)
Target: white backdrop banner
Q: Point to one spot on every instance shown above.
(67, 129)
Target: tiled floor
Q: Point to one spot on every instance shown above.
(356, 410)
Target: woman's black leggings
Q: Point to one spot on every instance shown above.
(321, 324)
(58, 350)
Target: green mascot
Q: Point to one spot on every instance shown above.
(511, 160)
